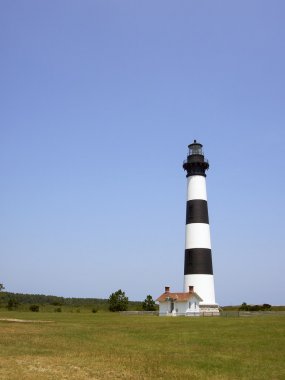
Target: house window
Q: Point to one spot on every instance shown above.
(195, 305)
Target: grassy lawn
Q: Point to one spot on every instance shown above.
(112, 346)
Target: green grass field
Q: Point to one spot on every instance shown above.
(112, 346)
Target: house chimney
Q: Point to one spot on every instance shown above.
(191, 289)
(167, 289)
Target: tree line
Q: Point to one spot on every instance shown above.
(118, 301)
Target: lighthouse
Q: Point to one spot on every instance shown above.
(198, 297)
(198, 268)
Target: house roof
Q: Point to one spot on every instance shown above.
(178, 297)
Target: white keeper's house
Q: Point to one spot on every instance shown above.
(176, 304)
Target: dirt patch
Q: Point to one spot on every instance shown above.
(23, 320)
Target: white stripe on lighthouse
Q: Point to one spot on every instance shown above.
(197, 236)
(196, 187)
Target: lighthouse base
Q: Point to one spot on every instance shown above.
(209, 310)
(203, 285)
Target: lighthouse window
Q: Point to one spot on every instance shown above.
(195, 149)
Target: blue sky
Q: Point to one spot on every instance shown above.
(99, 100)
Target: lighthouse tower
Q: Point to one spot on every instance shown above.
(198, 269)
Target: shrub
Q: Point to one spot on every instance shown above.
(266, 306)
(246, 307)
(57, 309)
(94, 310)
(254, 307)
(34, 308)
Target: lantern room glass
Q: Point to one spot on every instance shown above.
(195, 148)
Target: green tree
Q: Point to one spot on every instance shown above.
(2, 296)
(148, 304)
(244, 306)
(118, 301)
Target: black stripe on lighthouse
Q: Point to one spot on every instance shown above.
(197, 211)
(198, 261)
